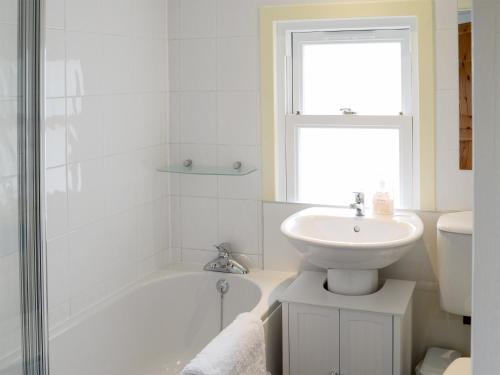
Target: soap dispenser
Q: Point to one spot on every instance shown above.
(383, 203)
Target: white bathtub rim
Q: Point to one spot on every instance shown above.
(270, 283)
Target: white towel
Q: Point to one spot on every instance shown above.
(238, 350)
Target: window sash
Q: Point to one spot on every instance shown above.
(404, 124)
(302, 38)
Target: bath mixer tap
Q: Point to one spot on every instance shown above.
(359, 203)
(225, 262)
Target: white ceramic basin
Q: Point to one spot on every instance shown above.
(335, 238)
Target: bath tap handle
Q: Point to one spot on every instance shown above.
(224, 249)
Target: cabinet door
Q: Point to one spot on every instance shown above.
(313, 340)
(365, 343)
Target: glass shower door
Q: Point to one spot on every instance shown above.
(10, 317)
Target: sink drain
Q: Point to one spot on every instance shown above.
(357, 229)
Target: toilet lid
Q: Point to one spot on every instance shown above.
(457, 222)
(461, 366)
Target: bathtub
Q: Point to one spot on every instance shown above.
(160, 324)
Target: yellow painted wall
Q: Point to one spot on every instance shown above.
(464, 4)
(421, 9)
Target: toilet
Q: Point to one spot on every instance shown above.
(454, 266)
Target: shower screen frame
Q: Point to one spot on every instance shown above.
(31, 180)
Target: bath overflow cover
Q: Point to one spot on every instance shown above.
(357, 228)
(222, 286)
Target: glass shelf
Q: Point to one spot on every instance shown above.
(214, 171)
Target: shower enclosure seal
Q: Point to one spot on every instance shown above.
(31, 183)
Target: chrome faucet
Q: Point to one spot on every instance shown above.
(225, 262)
(359, 203)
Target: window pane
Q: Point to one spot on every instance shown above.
(335, 162)
(365, 77)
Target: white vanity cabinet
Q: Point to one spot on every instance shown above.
(329, 334)
(365, 343)
(313, 337)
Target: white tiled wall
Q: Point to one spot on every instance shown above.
(213, 73)
(106, 109)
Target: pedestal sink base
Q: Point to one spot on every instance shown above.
(352, 282)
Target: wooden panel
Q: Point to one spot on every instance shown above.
(365, 343)
(314, 340)
(465, 77)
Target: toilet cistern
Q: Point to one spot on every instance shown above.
(359, 203)
(454, 262)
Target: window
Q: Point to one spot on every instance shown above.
(348, 122)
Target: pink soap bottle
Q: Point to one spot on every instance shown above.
(383, 203)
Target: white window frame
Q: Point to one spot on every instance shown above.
(300, 39)
(289, 118)
(402, 123)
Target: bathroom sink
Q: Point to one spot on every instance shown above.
(336, 238)
(352, 248)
